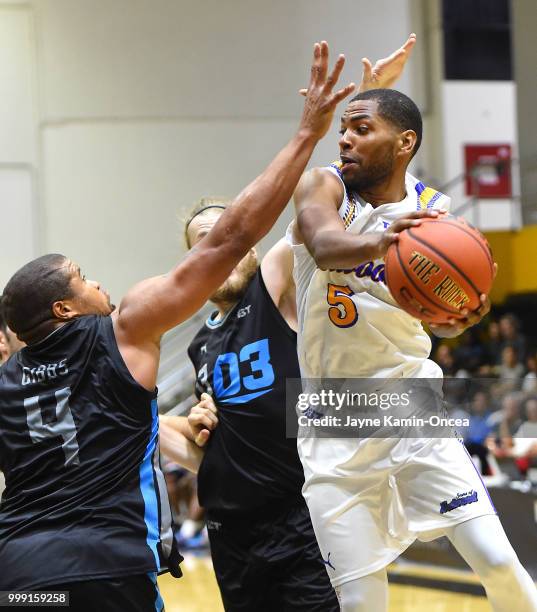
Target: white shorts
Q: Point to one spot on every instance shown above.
(370, 499)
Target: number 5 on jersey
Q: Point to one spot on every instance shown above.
(342, 311)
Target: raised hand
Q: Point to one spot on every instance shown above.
(320, 101)
(386, 71)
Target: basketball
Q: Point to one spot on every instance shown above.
(439, 268)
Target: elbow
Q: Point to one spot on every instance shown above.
(321, 256)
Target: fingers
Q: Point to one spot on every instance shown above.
(320, 63)
(334, 75)
(208, 402)
(324, 60)
(424, 214)
(315, 63)
(409, 45)
(203, 414)
(202, 438)
(303, 92)
(202, 420)
(343, 93)
(403, 224)
(472, 317)
(367, 69)
(404, 49)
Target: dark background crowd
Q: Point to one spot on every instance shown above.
(491, 374)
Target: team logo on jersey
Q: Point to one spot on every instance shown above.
(213, 525)
(242, 312)
(462, 499)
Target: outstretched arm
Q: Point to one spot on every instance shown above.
(179, 448)
(182, 438)
(160, 303)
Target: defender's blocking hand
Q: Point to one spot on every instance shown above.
(321, 101)
(386, 71)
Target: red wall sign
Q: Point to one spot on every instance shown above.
(488, 170)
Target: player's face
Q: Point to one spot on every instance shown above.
(237, 282)
(88, 296)
(4, 348)
(531, 410)
(367, 146)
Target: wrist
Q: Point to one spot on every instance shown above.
(306, 135)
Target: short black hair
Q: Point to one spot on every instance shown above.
(398, 109)
(3, 324)
(30, 293)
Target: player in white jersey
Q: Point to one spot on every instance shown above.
(370, 498)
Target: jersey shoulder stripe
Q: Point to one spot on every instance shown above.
(427, 196)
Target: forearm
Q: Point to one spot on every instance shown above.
(179, 424)
(177, 447)
(336, 250)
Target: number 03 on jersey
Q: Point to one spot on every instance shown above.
(342, 311)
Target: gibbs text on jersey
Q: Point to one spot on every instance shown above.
(85, 498)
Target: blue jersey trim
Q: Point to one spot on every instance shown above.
(147, 486)
(242, 399)
(159, 603)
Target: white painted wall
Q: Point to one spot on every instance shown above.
(480, 112)
(18, 139)
(145, 105)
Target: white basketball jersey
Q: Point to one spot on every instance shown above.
(349, 323)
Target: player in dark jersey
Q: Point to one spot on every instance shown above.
(83, 508)
(264, 550)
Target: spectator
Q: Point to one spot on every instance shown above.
(507, 422)
(444, 358)
(491, 347)
(524, 443)
(529, 383)
(510, 336)
(525, 439)
(480, 429)
(470, 353)
(510, 372)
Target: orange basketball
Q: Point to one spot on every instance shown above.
(438, 268)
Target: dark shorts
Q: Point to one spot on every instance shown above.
(132, 593)
(268, 563)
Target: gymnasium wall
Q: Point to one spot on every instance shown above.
(515, 252)
(126, 111)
